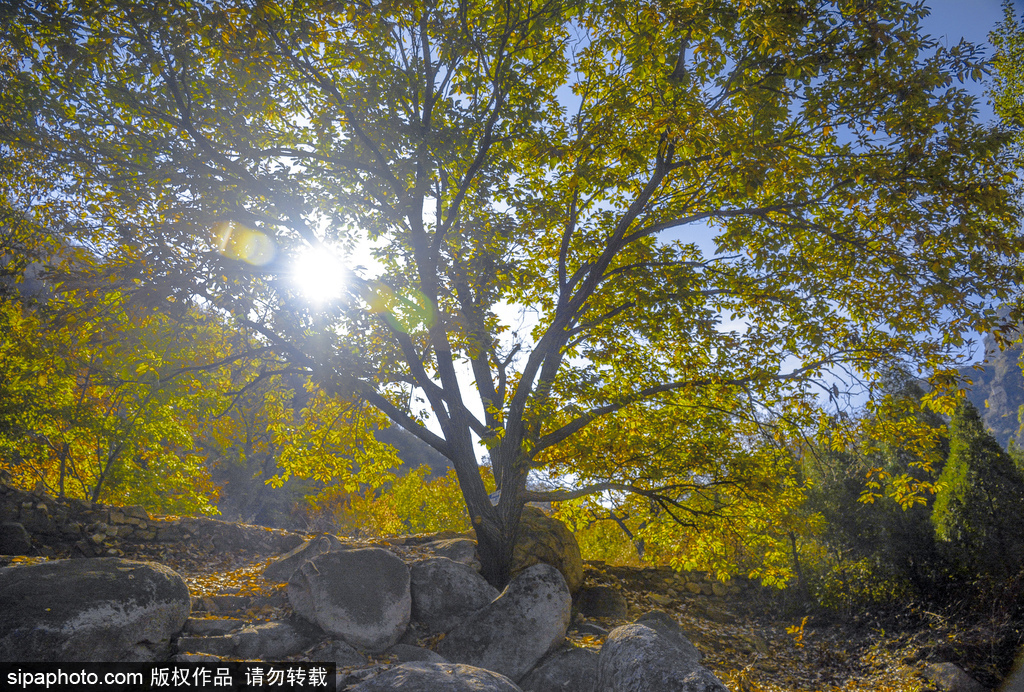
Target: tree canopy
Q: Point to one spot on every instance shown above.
(706, 210)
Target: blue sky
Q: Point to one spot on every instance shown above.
(953, 20)
(969, 19)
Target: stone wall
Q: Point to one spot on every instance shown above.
(665, 580)
(35, 523)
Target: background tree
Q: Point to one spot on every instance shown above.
(689, 485)
(1008, 73)
(105, 405)
(559, 156)
(980, 503)
(874, 543)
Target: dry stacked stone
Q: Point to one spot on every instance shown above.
(80, 528)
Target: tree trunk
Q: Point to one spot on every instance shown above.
(637, 542)
(112, 456)
(800, 581)
(495, 547)
(65, 451)
(497, 531)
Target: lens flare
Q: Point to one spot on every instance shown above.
(246, 244)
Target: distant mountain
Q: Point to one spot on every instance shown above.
(413, 451)
(998, 391)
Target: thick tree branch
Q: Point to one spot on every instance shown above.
(582, 421)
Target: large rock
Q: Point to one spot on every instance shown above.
(637, 658)
(515, 630)
(544, 539)
(460, 549)
(284, 567)
(104, 609)
(435, 677)
(666, 626)
(361, 596)
(445, 592)
(601, 602)
(950, 677)
(566, 670)
(14, 539)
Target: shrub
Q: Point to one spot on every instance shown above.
(855, 586)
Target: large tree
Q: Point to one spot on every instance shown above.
(570, 158)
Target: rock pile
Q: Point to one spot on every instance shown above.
(350, 603)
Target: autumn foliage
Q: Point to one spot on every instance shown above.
(643, 256)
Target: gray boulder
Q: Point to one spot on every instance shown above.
(409, 653)
(445, 592)
(458, 549)
(566, 670)
(14, 539)
(103, 609)
(665, 625)
(637, 658)
(434, 677)
(601, 602)
(515, 630)
(361, 596)
(950, 677)
(282, 568)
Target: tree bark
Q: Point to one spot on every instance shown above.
(498, 525)
(801, 582)
(495, 545)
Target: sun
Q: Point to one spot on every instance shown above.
(319, 275)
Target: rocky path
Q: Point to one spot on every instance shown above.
(747, 640)
(238, 614)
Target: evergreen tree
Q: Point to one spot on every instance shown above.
(874, 544)
(980, 505)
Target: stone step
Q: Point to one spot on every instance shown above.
(264, 640)
(196, 658)
(221, 603)
(213, 625)
(217, 645)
